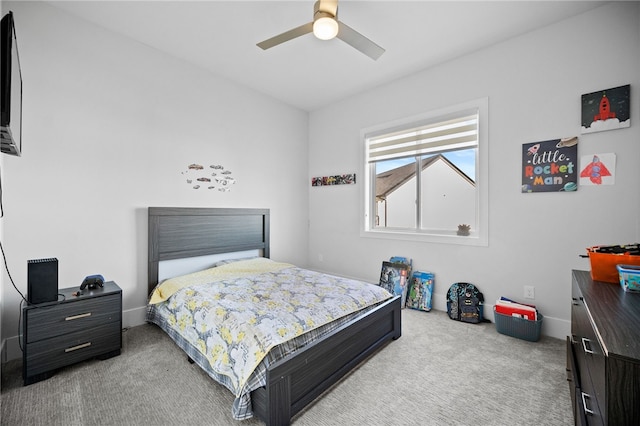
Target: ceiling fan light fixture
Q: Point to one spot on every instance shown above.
(325, 27)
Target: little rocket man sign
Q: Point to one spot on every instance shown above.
(550, 166)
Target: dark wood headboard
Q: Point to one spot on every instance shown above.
(181, 232)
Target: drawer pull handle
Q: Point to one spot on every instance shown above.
(584, 345)
(75, 317)
(584, 403)
(75, 348)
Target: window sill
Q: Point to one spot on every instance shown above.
(440, 238)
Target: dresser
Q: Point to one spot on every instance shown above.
(73, 329)
(603, 353)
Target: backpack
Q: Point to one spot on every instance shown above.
(464, 303)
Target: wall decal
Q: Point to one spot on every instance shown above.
(214, 177)
(334, 180)
(550, 166)
(606, 109)
(598, 169)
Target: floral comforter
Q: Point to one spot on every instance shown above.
(232, 323)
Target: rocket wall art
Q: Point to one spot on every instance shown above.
(598, 169)
(606, 109)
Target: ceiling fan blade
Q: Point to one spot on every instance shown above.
(286, 36)
(358, 41)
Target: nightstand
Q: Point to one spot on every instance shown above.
(74, 329)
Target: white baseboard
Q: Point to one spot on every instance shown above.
(11, 349)
(133, 317)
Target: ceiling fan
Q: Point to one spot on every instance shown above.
(325, 26)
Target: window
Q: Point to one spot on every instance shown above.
(426, 176)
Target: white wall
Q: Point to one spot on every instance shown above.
(534, 84)
(109, 125)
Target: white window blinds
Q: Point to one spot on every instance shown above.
(444, 135)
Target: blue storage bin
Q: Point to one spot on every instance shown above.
(629, 277)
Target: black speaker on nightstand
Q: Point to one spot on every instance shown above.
(42, 280)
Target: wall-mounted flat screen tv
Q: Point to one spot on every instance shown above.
(11, 85)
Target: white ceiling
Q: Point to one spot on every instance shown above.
(307, 73)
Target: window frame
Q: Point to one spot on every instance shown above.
(479, 236)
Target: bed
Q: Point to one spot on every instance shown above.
(293, 378)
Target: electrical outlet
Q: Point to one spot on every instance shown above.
(320, 258)
(529, 292)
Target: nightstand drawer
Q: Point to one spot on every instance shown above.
(67, 349)
(51, 321)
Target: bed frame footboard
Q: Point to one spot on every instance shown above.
(297, 380)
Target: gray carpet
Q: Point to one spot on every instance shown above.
(440, 372)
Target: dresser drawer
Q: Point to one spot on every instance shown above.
(581, 332)
(590, 399)
(597, 372)
(584, 397)
(589, 403)
(49, 354)
(573, 378)
(51, 321)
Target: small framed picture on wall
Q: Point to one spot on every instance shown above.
(606, 109)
